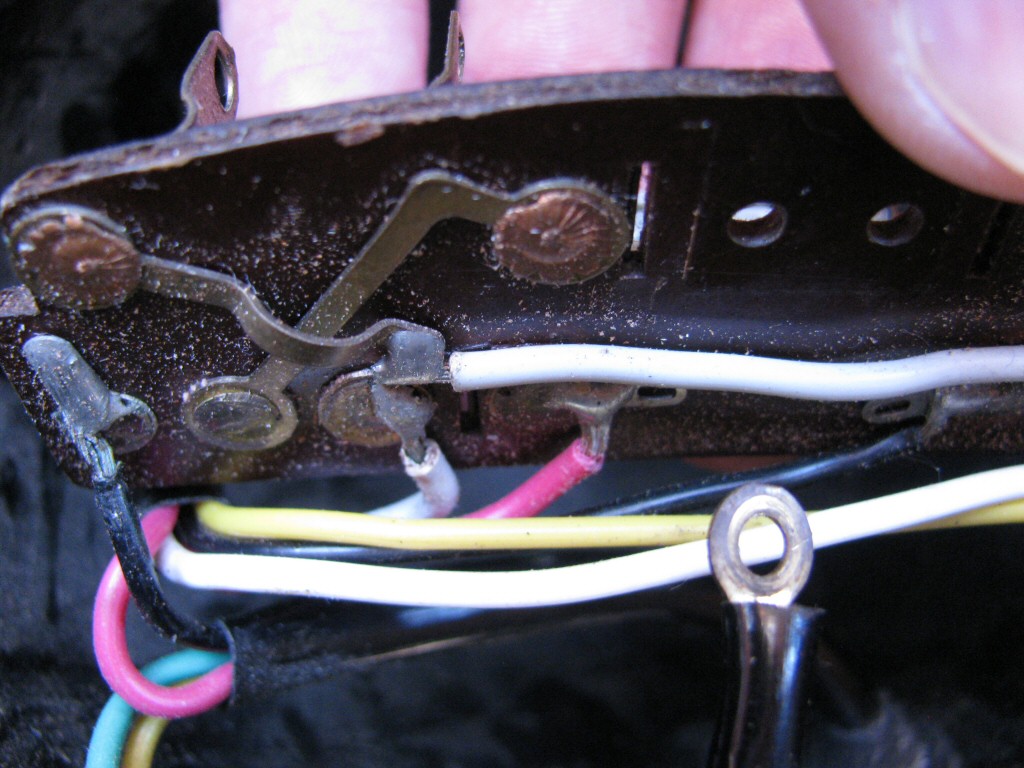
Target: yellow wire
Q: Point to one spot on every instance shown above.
(142, 742)
(357, 529)
(452, 533)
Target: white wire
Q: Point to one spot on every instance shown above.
(577, 583)
(551, 363)
(438, 487)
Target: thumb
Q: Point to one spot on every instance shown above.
(943, 80)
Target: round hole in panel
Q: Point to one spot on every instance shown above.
(757, 224)
(895, 224)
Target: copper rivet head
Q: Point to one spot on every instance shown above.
(561, 236)
(70, 259)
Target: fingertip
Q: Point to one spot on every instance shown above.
(753, 34)
(532, 38)
(294, 54)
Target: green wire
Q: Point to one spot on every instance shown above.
(115, 721)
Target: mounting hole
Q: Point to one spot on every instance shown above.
(895, 224)
(757, 225)
(225, 82)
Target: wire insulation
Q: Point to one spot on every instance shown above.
(701, 495)
(563, 473)
(803, 380)
(113, 500)
(451, 534)
(111, 645)
(142, 742)
(463, 535)
(711, 490)
(578, 583)
(108, 736)
(1007, 513)
(438, 487)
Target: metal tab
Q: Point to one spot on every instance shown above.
(86, 407)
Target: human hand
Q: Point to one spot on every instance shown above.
(943, 80)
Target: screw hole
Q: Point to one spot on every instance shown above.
(225, 83)
(895, 224)
(757, 225)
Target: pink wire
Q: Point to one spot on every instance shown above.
(564, 472)
(111, 645)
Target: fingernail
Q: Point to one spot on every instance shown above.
(969, 57)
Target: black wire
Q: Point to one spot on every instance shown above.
(125, 531)
(679, 498)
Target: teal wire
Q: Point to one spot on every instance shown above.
(115, 721)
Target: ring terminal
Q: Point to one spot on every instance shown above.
(770, 640)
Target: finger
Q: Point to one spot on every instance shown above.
(533, 38)
(753, 34)
(293, 54)
(941, 79)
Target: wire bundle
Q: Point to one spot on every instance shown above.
(115, 721)
(942, 504)
(557, 586)
(148, 693)
(674, 546)
(992, 495)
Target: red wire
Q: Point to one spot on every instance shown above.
(111, 645)
(564, 472)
